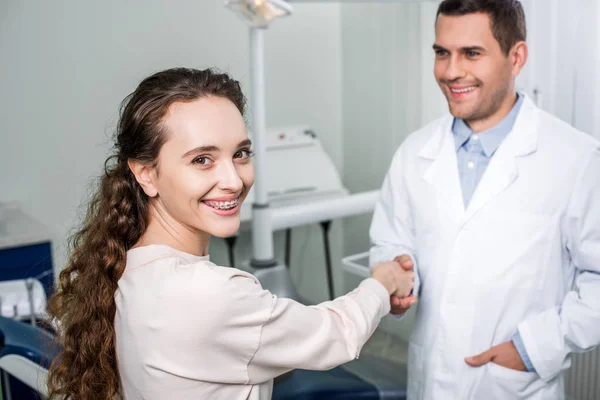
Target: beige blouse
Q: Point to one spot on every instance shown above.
(189, 329)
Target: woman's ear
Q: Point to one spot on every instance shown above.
(145, 175)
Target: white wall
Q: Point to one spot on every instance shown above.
(564, 60)
(388, 92)
(548, 76)
(586, 102)
(388, 86)
(66, 65)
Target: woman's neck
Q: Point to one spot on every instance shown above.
(164, 229)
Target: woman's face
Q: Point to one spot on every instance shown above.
(204, 169)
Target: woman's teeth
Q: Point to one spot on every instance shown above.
(465, 90)
(224, 205)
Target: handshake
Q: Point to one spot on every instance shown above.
(398, 278)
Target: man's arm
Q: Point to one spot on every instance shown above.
(574, 326)
(391, 228)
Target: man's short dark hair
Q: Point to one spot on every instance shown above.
(507, 18)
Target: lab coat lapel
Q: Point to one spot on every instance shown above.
(503, 170)
(442, 173)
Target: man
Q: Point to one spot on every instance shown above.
(497, 208)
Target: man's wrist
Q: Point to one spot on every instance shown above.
(520, 346)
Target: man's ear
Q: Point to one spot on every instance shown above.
(518, 57)
(145, 175)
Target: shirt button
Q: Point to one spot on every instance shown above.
(471, 164)
(475, 137)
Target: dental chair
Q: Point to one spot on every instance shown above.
(26, 347)
(367, 378)
(26, 352)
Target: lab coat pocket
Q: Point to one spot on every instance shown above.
(512, 384)
(415, 371)
(509, 374)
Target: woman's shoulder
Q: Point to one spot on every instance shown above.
(159, 254)
(171, 266)
(180, 282)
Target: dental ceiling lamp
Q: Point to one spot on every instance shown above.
(258, 13)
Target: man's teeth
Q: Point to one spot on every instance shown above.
(224, 205)
(465, 90)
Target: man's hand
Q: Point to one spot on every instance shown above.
(401, 306)
(504, 354)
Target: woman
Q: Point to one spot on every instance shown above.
(143, 312)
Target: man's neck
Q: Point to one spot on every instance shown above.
(484, 124)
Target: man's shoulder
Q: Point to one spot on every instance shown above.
(415, 141)
(564, 137)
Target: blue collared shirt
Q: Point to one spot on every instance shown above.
(474, 152)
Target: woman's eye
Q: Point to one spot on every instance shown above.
(243, 154)
(201, 161)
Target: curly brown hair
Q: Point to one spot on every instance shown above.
(83, 306)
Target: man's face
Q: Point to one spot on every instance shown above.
(474, 74)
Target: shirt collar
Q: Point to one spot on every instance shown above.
(139, 256)
(493, 137)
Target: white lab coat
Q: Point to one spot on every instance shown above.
(524, 255)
